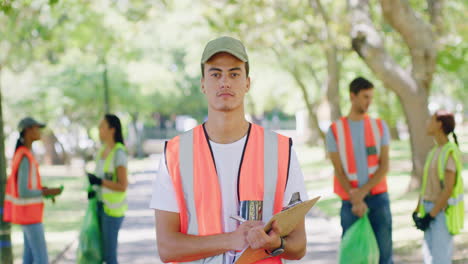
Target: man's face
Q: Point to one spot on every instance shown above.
(362, 100)
(225, 83)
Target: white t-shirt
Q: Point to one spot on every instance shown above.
(227, 158)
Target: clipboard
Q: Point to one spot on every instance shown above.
(287, 220)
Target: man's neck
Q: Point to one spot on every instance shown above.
(226, 127)
(356, 116)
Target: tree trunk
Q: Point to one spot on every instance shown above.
(394, 134)
(417, 114)
(435, 12)
(51, 157)
(411, 86)
(333, 79)
(138, 136)
(333, 66)
(6, 253)
(313, 119)
(317, 136)
(310, 106)
(105, 82)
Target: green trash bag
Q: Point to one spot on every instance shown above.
(90, 246)
(358, 245)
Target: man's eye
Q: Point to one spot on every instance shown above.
(234, 74)
(215, 74)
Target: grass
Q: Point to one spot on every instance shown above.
(62, 220)
(406, 238)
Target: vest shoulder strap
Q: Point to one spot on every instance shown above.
(18, 156)
(110, 158)
(449, 150)
(426, 170)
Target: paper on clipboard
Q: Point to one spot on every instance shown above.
(287, 221)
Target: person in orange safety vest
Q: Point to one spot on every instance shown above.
(226, 166)
(23, 195)
(358, 146)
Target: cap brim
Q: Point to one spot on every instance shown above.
(38, 124)
(233, 53)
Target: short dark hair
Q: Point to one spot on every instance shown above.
(246, 69)
(359, 84)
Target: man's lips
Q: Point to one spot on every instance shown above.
(225, 94)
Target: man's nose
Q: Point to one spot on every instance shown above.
(224, 81)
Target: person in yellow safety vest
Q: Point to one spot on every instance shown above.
(111, 180)
(440, 210)
(24, 192)
(226, 166)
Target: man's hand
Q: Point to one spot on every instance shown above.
(239, 237)
(356, 196)
(359, 209)
(257, 238)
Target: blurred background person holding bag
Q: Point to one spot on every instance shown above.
(24, 193)
(110, 181)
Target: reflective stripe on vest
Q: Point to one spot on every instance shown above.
(193, 172)
(23, 201)
(373, 132)
(455, 211)
(18, 210)
(115, 202)
(455, 200)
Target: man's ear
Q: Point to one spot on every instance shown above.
(248, 85)
(202, 85)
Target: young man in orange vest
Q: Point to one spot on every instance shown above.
(218, 169)
(358, 146)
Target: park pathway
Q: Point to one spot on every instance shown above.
(137, 239)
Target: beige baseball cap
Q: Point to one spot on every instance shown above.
(225, 44)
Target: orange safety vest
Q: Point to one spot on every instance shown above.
(18, 210)
(262, 176)
(373, 132)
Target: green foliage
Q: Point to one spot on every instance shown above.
(152, 50)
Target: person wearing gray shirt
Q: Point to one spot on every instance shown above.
(111, 181)
(24, 192)
(358, 146)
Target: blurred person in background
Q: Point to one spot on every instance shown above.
(440, 210)
(358, 146)
(110, 181)
(24, 193)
